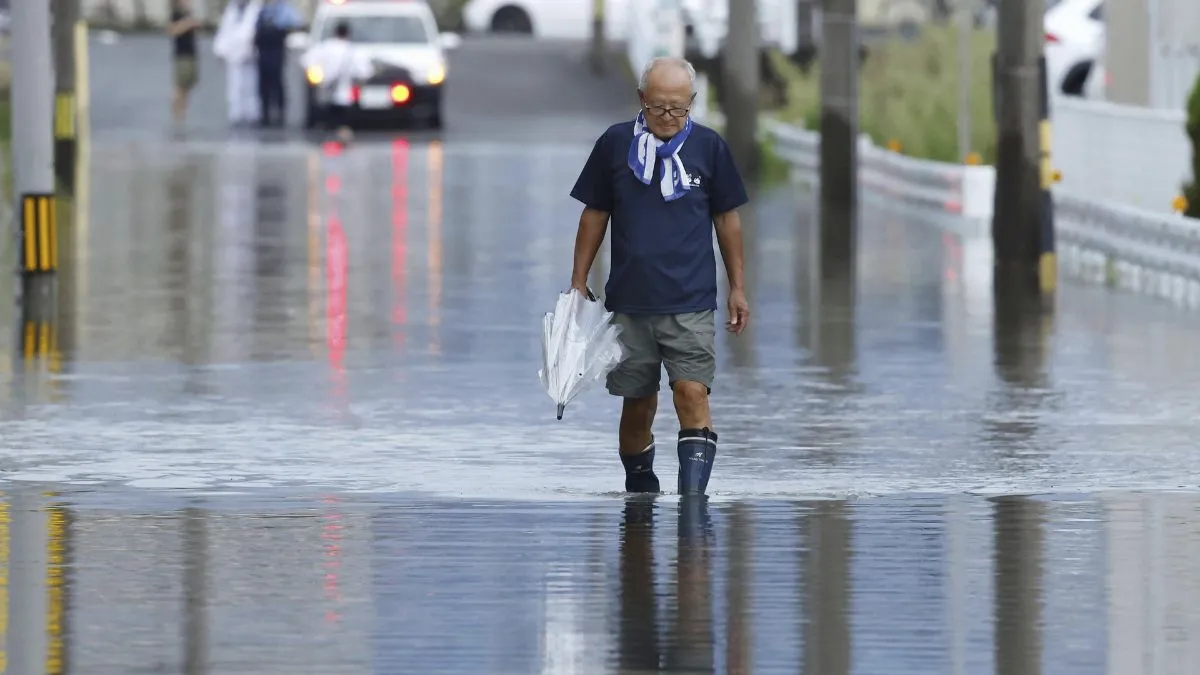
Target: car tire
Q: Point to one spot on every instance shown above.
(512, 20)
(1075, 80)
(436, 120)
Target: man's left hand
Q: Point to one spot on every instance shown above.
(739, 312)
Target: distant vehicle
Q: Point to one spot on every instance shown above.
(402, 40)
(559, 19)
(1075, 35)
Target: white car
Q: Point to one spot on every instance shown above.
(561, 19)
(402, 40)
(1074, 47)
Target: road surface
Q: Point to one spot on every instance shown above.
(288, 420)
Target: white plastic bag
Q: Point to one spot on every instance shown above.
(580, 346)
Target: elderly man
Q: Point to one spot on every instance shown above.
(664, 181)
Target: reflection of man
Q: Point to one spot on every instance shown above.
(639, 648)
(664, 181)
(275, 21)
(234, 44)
(183, 31)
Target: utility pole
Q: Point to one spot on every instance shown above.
(599, 49)
(740, 78)
(66, 15)
(966, 28)
(1022, 227)
(33, 141)
(839, 130)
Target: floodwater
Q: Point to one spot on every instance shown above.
(285, 418)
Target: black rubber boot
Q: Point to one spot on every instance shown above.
(697, 451)
(639, 471)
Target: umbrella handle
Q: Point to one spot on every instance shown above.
(561, 408)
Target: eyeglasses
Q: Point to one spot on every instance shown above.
(664, 111)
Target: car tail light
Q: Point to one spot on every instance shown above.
(1051, 38)
(354, 92)
(401, 93)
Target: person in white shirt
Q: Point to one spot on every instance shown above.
(341, 64)
(234, 44)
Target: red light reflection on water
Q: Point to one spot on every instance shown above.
(399, 237)
(331, 536)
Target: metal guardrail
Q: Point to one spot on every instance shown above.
(958, 189)
(1099, 241)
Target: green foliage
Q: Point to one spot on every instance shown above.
(909, 94)
(448, 14)
(1191, 191)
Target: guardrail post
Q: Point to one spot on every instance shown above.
(65, 16)
(1047, 260)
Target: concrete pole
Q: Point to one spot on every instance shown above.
(1019, 202)
(599, 49)
(839, 130)
(33, 136)
(740, 78)
(1127, 47)
(66, 15)
(966, 29)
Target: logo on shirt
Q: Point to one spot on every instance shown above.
(695, 181)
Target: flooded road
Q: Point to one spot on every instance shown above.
(286, 419)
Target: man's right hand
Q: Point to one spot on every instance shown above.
(583, 290)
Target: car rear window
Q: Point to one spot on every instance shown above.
(380, 29)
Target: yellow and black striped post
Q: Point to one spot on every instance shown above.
(39, 234)
(66, 55)
(1047, 261)
(65, 134)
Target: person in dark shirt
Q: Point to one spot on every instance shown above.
(183, 31)
(664, 182)
(276, 20)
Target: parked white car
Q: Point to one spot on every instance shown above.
(1074, 47)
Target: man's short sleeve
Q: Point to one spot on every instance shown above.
(594, 185)
(727, 191)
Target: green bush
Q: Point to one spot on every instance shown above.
(909, 94)
(1191, 191)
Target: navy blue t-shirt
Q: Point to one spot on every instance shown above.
(662, 252)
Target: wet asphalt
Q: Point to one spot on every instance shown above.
(287, 420)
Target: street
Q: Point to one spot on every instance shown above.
(290, 422)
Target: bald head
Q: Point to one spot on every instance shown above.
(668, 72)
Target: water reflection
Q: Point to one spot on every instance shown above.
(1018, 588)
(437, 587)
(826, 574)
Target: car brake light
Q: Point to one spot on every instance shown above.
(401, 93)
(1051, 37)
(354, 92)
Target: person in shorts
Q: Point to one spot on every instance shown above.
(664, 182)
(183, 31)
(342, 65)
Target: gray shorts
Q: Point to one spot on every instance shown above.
(684, 343)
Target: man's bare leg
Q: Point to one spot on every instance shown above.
(697, 440)
(636, 439)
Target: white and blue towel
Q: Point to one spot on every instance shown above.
(646, 150)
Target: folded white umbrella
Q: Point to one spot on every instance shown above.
(580, 346)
